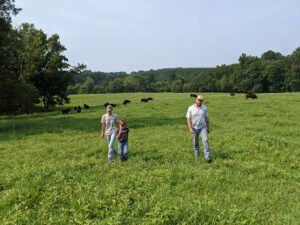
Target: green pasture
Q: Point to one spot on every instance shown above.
(54, 169)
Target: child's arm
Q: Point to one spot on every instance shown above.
(119, 133)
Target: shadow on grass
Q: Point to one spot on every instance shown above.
(29, 126)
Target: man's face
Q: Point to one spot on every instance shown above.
(199, 102)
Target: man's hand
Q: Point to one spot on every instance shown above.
(192, 131)
(208, 130)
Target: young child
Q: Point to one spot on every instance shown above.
(122, 136)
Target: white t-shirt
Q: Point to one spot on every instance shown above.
(110, 122)
(197, 116)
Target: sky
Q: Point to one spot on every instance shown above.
(133, 35)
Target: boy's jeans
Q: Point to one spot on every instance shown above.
(123, 155)
(111, 140)
(204, 135)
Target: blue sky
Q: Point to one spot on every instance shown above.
(133, 35)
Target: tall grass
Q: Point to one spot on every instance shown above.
(54, 169)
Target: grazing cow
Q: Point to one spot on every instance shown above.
(65, 111)
(144, 100)
(149, 98)
(193, 96)
(78, 109)
(251, 95)
(232, 94)
(126, 101)
(75, 108)
(86, 106)
(106, 104)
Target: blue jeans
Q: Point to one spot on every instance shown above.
(123, 151)
(111, 140)
(204, 135)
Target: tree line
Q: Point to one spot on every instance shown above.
(32, 66)
(272, 72)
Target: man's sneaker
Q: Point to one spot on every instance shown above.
(208, 160)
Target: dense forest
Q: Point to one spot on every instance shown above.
(272, 72)
(34, 70)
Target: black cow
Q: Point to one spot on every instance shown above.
(144, 100)
(86, 106)
(113, 105)
(65, 111)
(106, 104)
(193, 96)
(149, 98)
(78, 109)
(232, 94)
(126, 101)
(251, 95)
(75, 108)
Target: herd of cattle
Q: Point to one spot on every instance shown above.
(126, 101)
(248, 95)
(77, 109)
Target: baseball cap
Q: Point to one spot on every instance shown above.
(200, 97)
(109, 108)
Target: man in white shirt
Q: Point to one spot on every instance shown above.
(198, 122)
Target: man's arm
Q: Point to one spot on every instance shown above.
(190, 125)
(207, 124)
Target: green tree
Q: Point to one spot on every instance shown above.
(271, 55)
(275, 74)
(206, 82)
(87, 87)
(171, 75)
(225, 85)
(115, 86)
(15, 95)
(176, 86)
(8, 8)
(187, 87)
(41, 63)
(73, 89)
(293, 78)
(130, 83)
(245, 60)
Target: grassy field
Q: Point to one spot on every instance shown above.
(54, 169)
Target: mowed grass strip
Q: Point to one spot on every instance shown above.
(54, 170)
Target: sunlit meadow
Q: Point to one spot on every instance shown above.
(54, 169)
